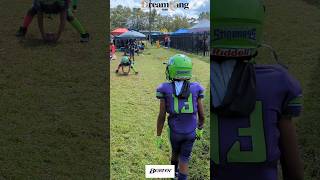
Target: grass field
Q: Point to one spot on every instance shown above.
(134, 110)
(293, 29)
(53, 98)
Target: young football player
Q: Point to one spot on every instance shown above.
(252, 105)
(182, 100)
(126, 61)
(51, 6)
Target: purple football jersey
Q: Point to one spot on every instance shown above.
(182, 112)
(247, 147)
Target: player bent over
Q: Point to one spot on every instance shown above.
(50, 5)
(126, 61)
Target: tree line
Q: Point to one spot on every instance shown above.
(137, 19)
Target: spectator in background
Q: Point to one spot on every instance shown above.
(137, 47)
(112, 51)
(126, 46)
(131, 48)
(141, 46)
(166, 41)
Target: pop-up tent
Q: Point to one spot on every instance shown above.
(202, 26)
(131, 35)
(181, 31)
(119, 31)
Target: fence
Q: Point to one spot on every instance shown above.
(197, 43)
(193, 43)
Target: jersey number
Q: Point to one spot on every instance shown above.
(255, 131)
(187, 107)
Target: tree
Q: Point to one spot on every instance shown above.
(204, 15)
(179, 22)
(137, 19)
(119, 16)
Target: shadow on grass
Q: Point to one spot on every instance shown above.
(125, 75)
(33, 42)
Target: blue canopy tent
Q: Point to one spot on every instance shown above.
(147, 33)
(181, 31)
(202, 26)
(122, 39)
(131, 35)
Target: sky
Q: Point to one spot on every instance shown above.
(195, 6)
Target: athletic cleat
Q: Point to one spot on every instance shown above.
(21, 32)
(117, 71)
(84, 37)
(176, 174)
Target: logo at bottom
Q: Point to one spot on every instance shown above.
(160, 171)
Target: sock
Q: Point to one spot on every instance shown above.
(182, 176)
(27, 21)
(133, 68)
(76, 24)
(175, 163)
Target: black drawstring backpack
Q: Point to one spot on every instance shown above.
(240, 96)
(185, 91)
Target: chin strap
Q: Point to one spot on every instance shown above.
(274, 54)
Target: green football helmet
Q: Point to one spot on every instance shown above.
(236, 27)
(125, 59)
(179, 67)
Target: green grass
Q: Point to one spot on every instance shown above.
(134, 110)
(313, 2)
(292, 28)
(52, 99)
